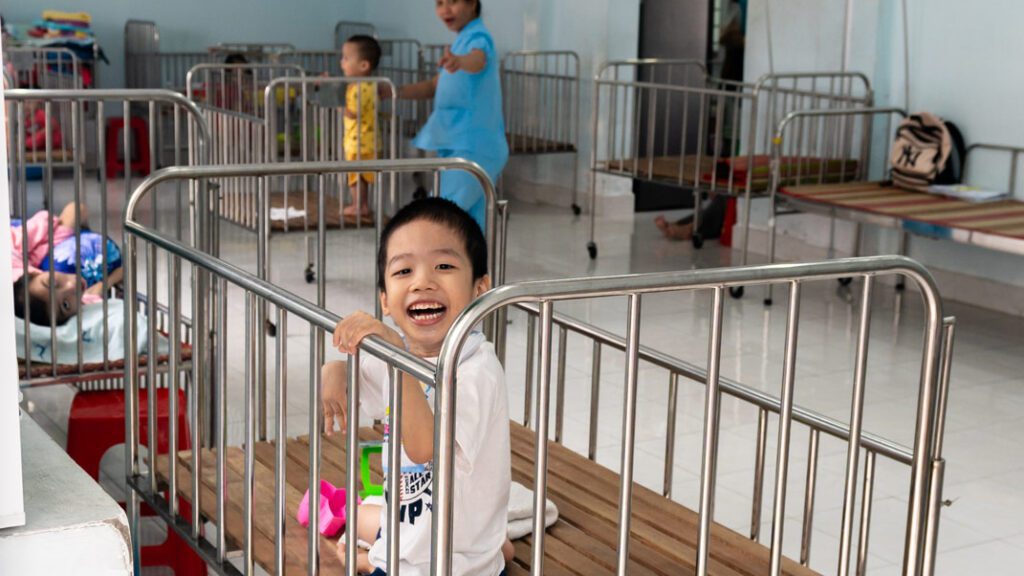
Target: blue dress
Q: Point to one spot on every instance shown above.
(467, 122)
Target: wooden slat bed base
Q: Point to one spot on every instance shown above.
(667, 169)
(1001, 218)
(524, 144)
(42, 370)
(582, 542)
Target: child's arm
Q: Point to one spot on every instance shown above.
(333, 394)
(419, 91)
(417, 418)
(472, 63)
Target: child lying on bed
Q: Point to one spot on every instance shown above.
(31, 239)
(432, 264)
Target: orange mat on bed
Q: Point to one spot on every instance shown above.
(795, 170)
(1003, 217)
(41, 370)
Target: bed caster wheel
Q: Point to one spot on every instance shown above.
(767, 301)
(698, 241)
(845, 281)
(736, 292)
(576, 210)
(270, 329)
(310, 275)
(592, 249)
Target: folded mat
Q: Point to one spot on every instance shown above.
(520, 511)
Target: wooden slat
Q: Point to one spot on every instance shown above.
(582, 542)
(654, 517)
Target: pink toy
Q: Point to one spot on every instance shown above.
(332, 509)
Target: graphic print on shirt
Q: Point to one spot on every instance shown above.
(415, 493)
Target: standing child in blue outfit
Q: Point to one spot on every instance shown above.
(467, 119)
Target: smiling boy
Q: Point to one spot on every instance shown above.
(432, 264)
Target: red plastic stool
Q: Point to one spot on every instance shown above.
(730, 221)
(97, 422)
(139, 141)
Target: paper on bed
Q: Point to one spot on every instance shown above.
(92, 336)
(520, 511)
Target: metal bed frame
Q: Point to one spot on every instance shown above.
(636, 115)
(191, 138)
(400, 62)
(320, 136)
(542, 105)
(344, 29)
(147, 67)
(791, 137)
(924, 458)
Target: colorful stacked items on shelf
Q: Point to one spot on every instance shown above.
(57, 24)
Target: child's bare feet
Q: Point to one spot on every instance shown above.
(679, 231)
(682, 230)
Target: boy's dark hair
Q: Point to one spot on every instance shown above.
(479, 7)
(38, 310)
(368, 47)
(447, 214)
(236, 58)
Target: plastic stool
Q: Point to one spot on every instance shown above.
(139, 141)
(97, 422)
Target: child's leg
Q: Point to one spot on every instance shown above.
(366, 530)
(359, 203)
(508, 551)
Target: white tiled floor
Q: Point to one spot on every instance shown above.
(982, 531)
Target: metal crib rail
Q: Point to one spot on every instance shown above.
(542, 105)
(926, 450)
(345, 29)
(68, 108)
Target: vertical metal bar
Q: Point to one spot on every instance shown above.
(759, 461)
(131, 378)
(222, 425)
(151, 391)
(394, 471)
(281, 385)
(48, 186)
(670, 433)
(595, 392)
(531, 332)
(938, 463)
(856, 427)
(628, 430)
(540, 477)
(76, 154)
(812, 477)
(785, 422)
(250, 435)
(865, 513)
(709, 457)
(174, 335)
(352, 452)
(563, 336)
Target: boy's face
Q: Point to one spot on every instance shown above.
(455, 13)
(429, 281)
(63, 289)
(352, 62)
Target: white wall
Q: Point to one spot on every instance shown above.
(964, 62)
(599, 30)
(12, 504)
(197, 24)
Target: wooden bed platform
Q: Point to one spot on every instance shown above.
(582, 542)
(333, 219)
(524, 144)
(998, 225)
(795, 170)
